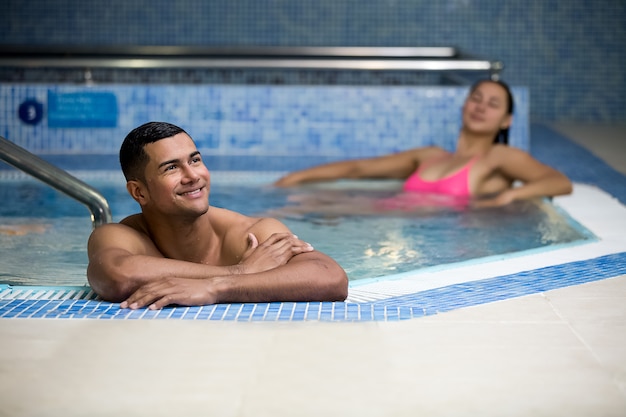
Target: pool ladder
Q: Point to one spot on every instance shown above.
(58, 179)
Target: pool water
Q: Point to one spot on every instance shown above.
(368, 227)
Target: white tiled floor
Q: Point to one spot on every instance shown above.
(560, 353)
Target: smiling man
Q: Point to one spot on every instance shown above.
(180, 250)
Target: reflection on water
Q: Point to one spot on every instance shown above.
(56, 256)
(371, 230)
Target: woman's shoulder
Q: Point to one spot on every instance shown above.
(503, 157)
(429, 149)
(427, 152)
(505, 152)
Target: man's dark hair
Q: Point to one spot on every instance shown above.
(133, 158)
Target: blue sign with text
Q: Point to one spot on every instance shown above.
(82, 109)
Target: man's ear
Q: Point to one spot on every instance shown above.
(137, 191)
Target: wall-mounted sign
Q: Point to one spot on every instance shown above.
(30, 112)
(82, 109)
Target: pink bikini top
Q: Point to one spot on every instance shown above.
(456, 184)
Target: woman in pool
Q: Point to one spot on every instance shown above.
(482, 167)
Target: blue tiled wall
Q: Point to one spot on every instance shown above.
(335, 121)
(570, 53)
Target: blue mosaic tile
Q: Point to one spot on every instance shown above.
(553, 60)
(253, 121)
(405, 307)
(259, 311)
(509, 286)
(548, 146)
(149, 314)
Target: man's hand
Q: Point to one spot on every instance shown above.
(181, 291)
(277, 250)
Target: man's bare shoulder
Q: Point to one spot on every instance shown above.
(232, 222)
(224, 218)
(136, 222)
(129, 235)
(264, 227)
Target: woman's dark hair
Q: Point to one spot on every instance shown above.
(133, 158)
(503, 134)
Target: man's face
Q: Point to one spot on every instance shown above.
(177, 180)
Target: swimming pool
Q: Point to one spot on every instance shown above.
(370, 227)
(399, 296)
(597, 203)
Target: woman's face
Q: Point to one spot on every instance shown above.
(486, 109)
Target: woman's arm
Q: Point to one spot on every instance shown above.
(538, 179)
(395, 166)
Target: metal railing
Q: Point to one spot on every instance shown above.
(329, 58)
(58, 179)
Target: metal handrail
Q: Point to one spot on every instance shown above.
(242, 51)
(332, 58)
(58, 179)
